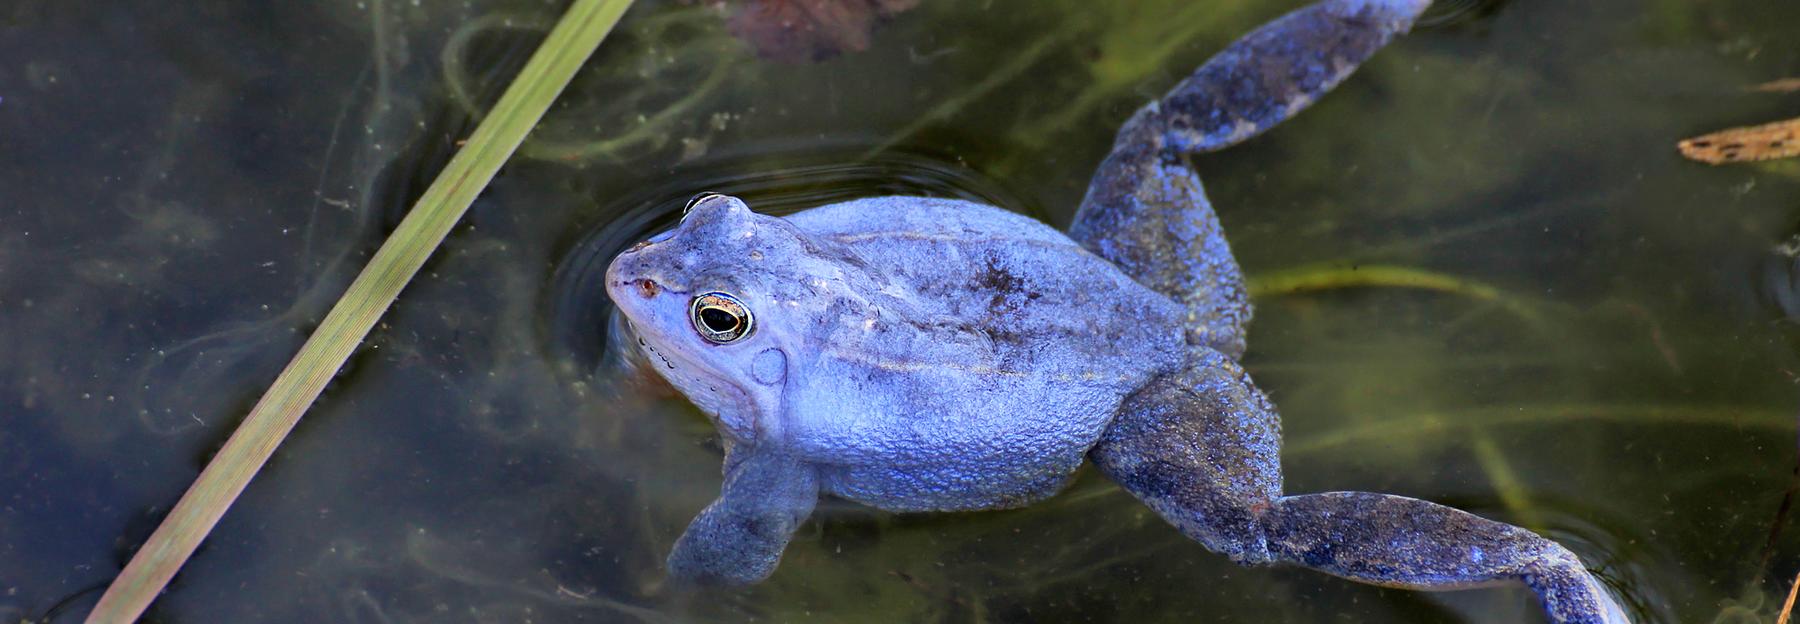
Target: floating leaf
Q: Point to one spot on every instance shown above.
(1765, 142)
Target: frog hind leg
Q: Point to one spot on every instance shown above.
(1201, 447)
(739, 538)
(1145, 209)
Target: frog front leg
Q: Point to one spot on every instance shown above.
(1145, 209)
(1202, 448)
(738, 539)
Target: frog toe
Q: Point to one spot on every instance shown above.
(1276, 71)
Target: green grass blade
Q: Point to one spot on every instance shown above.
(568, 46)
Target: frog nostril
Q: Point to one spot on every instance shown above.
(647, 288)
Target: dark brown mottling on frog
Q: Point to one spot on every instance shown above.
(797, 31)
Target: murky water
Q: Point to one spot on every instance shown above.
(184, 188)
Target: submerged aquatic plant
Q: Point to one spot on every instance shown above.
(582, 28)
(671, 63)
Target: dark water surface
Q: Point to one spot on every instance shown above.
(185, 187)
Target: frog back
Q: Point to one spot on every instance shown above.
(1000, 353)
(1045, 302)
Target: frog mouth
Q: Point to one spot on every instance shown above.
(725, 403)
(666, 360)
(657, 316)
(651, 349)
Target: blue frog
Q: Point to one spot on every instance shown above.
(917, 354)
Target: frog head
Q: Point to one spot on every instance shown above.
(725, 305)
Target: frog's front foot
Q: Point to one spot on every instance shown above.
(738, 539)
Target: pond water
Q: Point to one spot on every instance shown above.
(1605, 355)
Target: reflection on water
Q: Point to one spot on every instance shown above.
(189, 186)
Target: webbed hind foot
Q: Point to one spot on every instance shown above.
(1201, 447)
(1145, 209)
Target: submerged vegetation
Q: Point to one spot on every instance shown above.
(355, 314)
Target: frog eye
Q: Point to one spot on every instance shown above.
(695, 201)
(720, 318)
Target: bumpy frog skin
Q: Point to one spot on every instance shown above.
(919, 354)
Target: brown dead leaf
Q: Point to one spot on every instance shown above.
(796, 31)
(1785, 85)
(1765, 142)
(1787, 608)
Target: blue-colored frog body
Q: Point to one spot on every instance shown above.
(921, 354)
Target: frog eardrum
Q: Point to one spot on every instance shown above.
(720, 318)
